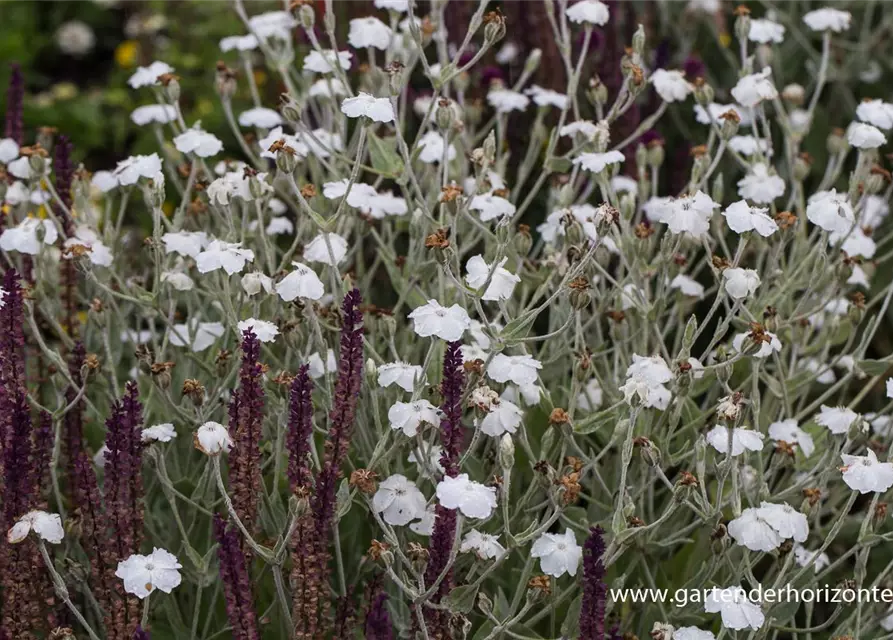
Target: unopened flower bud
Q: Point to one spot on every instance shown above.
(794, 94)
(489, 148)
(580, 295)
(837, 142)
(602, 136)
(874, 183)
(494, 29)
(533, 61)
(641, 157)
(703, 94)
(225, 82)
(742, 24)
(523, 240)
(286, 160)
(718, 189)
(290, 109)
(306, 16)
(506, 452)
(656, 155)
(597, 92)
(444, 114)
(485, 604)
(639, 41)
(255, 187)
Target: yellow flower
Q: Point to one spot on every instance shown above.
(168, 208)
(260, 77)
(5, 209)
(126, 54)
(725, 40)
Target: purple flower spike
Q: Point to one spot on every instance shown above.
(300, 430)
(451, 424)
(15, 102)
(236, 582)
(246, 415)
(595, 591)
(378, 620)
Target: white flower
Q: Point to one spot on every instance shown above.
(645, 378)
(838, 420)
(828, 19)
(229, 256)
(506, 100)
(485, 546)
(558, 553)
(260, 117)
(590, 398)
(48, 526)
(742, 217)
(502, 284)
(318, 249)
(385, 204)
(148, 76)
(400, 6)
(179, 281)
(714, 111)
(425, 524)
(588, 11)
(400, 373)
(547, 97)
(273, 24)
(326, 87)
(366, 105)
(300, 283)
(751, 90)
(473, 499)
(736, 610)
(749, 145)
(491, 206)
(689, 214)
(143, 574)
(318, 368)
(596, 162)
(135, 167)
(196, 335)
(804, 557)
(761, 186)
(369, 32)
(787, 521)
(866, 474)
(29, 235)
(742, 439)
(585, 128)
(265, 331)
(360, 194)
(521, 369)
(99, 254)
(831, 211)
(764, 31)
(164, 432)
(433, 319)
(431, 145)
(21, 168)
(239, 43)
(9, 150)
(889, 387)
(740, 283)
(201, 143)
(529, 394)
(767, 347)
(671, 86)
(407, 416)
(865, 136)
(252, 283)
(398, 500)
(788, 431)
(508, 53)
(279, 225)
(856, 243)
(159, 113)
(504, 417)
(692, 633)
(687, 286)
(188, 244)
(752, 530)
(876, 112)
(213, 438)
(322, 62)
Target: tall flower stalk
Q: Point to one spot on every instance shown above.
(246, 414)
(124, 502)
(595, 591)
(236, 582)
(15, 101)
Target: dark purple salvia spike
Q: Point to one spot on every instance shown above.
(124, 503)
(378, 620)
(595, 591)
(89, 510)
(236, 582)
(441, 544)
(17, 453)
(12, 337)
(300, 430)
(15, 106)
(63, 172)
(246, 414)
(452, 387)
(344, 407)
